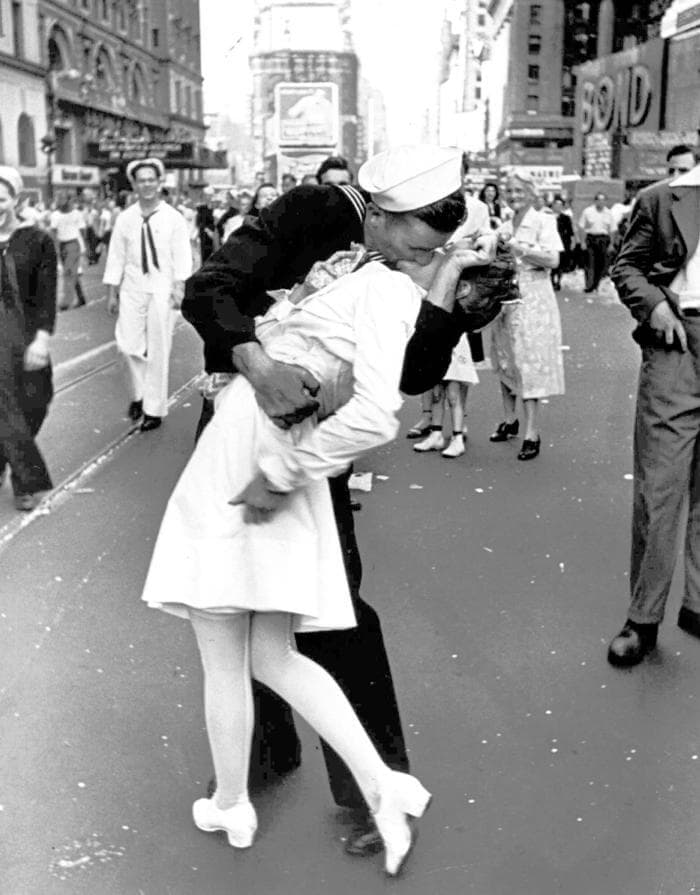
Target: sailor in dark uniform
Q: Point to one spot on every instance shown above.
(275, 251)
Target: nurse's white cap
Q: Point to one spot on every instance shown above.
(410, 177)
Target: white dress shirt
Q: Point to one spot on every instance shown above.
(173, 249)
(597, 223)
(67, 225)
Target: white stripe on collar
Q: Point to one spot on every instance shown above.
(355, 196)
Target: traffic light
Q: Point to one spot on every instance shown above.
(48, 143)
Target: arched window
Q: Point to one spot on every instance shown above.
(103, 70)
(26, 141)
(138, 87)
(58, 50)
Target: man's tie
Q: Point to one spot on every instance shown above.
(146, 233)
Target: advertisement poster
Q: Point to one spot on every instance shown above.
(307, 114)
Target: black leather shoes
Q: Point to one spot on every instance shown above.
(530, 449)
(150, 422)
(632, 644)
(135, 410)
(689, 621)
(505, 431)
(364, 839)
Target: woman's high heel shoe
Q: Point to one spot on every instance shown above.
(505, 431)
(403, 796)
(239, 822)
(530, 448)
(420, 430)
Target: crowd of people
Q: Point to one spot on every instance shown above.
(317, 306)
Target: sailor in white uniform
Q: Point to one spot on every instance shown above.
(148, 262)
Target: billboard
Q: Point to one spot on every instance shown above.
(307, 114)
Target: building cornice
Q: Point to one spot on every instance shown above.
(27, 68)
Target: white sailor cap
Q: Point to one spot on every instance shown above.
(12, 179)
(411, 177)
(137, 163)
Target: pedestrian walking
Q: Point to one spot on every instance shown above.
(565, 229)
(250, 575)
(67, 224)
(27, 316)
(264, 196)
(277, 250)
(597, 227)
(148, 261)
(206, 224)
(657, 274)
(526, 336)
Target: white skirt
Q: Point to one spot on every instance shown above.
(207, 557)
(462, 367)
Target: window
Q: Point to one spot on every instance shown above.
(26, 141)
(103, 70)
(104, 9)
(533, 103)
(533, 74)
(535, 14)
(64, 155)
(17, 30)
(188, 101)
(155, 37)
(534, 44)
(178, 96)
(481, 20)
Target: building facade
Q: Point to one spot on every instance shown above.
(22, 84)
(305, 86)
(462, 105)
(531, 76)
(634, 104)
(90, 84)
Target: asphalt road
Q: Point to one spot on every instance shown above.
(499, 584)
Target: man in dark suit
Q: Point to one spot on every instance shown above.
(657, 274)
(276, 250)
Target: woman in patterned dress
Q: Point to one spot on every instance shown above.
(527, 335)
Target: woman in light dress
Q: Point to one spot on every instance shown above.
(526, 336)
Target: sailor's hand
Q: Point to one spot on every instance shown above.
(285, 392)
(260, 502)
(667, 326)
(113, 304)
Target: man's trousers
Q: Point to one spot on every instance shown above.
(597, 248)
(666, 476)
(357, 660)
(144, 335)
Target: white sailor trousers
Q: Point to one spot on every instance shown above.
(144, 335)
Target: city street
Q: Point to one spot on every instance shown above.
(499, 584)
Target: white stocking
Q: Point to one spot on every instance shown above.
(224, 645)
(313, 693)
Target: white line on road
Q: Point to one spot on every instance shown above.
(85, 356)
(76, 479)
